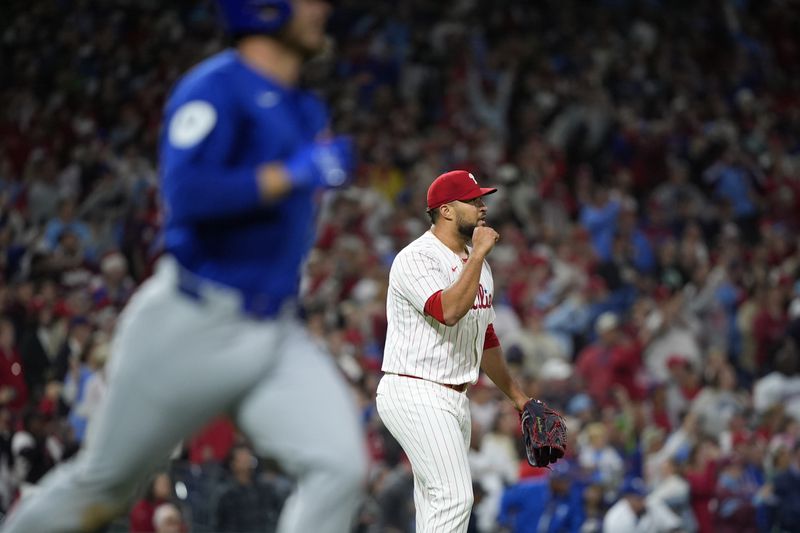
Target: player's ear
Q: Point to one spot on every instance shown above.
(447, 211)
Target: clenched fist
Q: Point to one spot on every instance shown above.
(483, 239)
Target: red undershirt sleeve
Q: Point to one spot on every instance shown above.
(433, 306)
(491, 340)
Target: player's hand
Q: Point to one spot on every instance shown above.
(327, 163)
(483, 239)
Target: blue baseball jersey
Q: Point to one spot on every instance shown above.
(222, 121)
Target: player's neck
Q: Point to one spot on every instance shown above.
(455, 241)
(271, 58)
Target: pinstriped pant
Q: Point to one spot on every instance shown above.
(432, 424)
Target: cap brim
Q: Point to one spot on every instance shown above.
(484, 191)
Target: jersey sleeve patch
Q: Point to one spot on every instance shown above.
(191, 123)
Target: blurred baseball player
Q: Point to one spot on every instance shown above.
(242, 158)
(440, 336)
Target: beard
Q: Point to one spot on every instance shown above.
(465, 229)
(306, 51)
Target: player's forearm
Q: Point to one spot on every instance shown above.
(196, 192)
(326, 164)
(494, 365)
(273, 181)
(459, 298)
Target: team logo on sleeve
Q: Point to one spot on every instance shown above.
(191, 123)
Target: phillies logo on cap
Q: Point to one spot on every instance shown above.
(455, 185)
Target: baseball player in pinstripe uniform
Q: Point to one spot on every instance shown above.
(440, 336)
(244, 153)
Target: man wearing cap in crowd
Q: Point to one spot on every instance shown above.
(543, 504)
(440, 336)
(611, 361)
(635, 513)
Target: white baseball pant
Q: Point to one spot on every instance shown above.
(432, 423)
(176, 363)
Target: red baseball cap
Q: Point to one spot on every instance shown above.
(455, 185)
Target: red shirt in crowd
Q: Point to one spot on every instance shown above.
(12, 376)
(603, 367)
(768, 329)
(213, 443)
(702, 489)
(140, 519)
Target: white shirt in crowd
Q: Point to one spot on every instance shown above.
(776, 388)
(657, 519)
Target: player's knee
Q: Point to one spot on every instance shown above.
(350, 471)
(346, 460)
(460, 502)
(116, 487)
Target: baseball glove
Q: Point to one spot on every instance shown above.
(544, 432)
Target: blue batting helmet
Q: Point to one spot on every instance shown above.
(255, 16)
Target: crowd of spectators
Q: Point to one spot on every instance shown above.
(648, 160)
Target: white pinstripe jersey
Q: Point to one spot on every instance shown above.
(419, 345)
